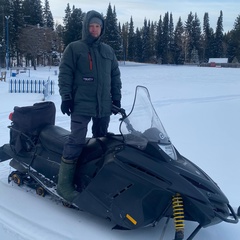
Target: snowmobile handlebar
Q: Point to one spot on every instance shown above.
(116, 110)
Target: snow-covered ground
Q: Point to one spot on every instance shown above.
(200, 110)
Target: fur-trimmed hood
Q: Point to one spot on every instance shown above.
(86, 36)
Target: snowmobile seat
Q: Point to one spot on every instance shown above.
(53, 137)
(94, 149)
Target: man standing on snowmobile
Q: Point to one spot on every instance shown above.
(89, 83)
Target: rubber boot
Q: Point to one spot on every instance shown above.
(65, 186)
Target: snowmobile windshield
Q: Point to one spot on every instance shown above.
(143, 125)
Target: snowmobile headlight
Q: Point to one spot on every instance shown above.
(169, 150)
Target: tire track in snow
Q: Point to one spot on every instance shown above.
(19, 227)
(166, 102)
(22, 229)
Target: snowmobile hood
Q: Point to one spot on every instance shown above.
(142, 129)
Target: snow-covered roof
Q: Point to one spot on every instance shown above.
(218, 60)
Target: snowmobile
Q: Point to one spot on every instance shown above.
(135, 178)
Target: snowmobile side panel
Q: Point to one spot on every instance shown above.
(121, 194)
(47, 167)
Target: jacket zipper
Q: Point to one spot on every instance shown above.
(90, 61)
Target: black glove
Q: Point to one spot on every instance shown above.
(67, 107)
(116, 103)
(116, 107)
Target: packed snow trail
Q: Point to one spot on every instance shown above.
(205, 128)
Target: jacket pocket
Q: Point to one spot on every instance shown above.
(107, 56)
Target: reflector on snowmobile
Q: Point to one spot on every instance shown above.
(131, 219)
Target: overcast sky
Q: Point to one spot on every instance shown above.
(152, 9)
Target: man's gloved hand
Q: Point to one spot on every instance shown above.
(116, 103)
(67, 107)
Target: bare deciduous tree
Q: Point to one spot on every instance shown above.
(36, 43)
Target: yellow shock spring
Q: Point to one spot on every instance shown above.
(178, 212)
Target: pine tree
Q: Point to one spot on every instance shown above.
(196, 35)
(2, 16)
(5, 10)
(159, 40)
(112, 35)
(178, 43)
(150, 43)
(208, 38)
(73, 27)
(58, 43)
(124, 32)
(118, 43)
(5, 7)
(234, 42)
(32, 12)
(131, 41)
(189, 45)
(17, 20)
(139, 46)
(146, 44)
(171, 40)
(218, 49)
(47, 16)
(165, 55)
(152, 39)
(67, 16)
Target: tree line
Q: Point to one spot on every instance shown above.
(34, 37)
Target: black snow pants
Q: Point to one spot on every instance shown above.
(77, 138)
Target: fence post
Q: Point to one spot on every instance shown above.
(39, 89)
(27, 86)
(15, 84)
(11, 89)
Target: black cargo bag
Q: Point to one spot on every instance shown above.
(27, 122)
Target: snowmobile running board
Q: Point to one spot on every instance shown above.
(49, 187)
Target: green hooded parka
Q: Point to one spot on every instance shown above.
(89, 74)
